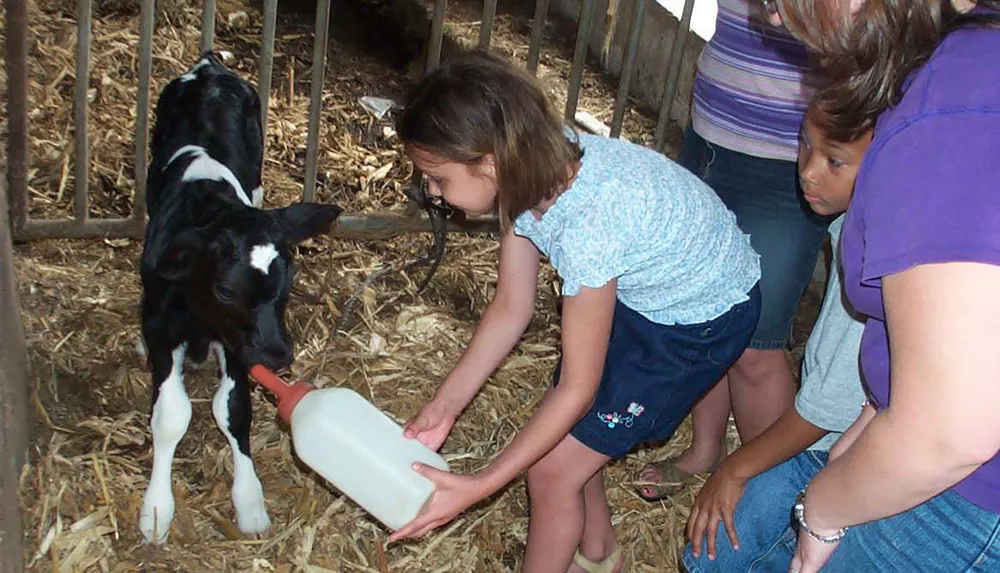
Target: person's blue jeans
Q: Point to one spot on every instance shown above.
(767, 200)
(946, 534)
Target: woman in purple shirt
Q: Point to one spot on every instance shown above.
(914, 485)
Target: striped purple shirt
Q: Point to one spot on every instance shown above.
(748, 92)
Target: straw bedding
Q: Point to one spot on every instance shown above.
(90, 463)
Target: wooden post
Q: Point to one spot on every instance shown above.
(13, 401)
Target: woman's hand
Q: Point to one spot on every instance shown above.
(431, 425)
(811, 554)
(452, 495)
(716, 502)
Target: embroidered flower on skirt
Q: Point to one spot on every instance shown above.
(615, 419)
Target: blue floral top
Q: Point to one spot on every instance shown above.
(635, 215)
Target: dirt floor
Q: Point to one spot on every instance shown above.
(91, 459)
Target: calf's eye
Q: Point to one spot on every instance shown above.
(224, 294)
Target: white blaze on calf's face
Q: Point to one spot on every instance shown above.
(262, 256)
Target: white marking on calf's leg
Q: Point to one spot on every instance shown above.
(262, 256)
(257, 197)
(171, 416)
(247, 493)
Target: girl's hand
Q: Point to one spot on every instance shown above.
(431, 425)
(452, 495)
(811, 555)
(716, 502)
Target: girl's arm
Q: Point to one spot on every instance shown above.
(847, 439)
(944, 325)
(503, 322)
(788, 436)
(586, 328)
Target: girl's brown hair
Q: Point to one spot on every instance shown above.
(865, 57)
(476, 104)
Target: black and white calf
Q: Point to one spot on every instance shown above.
(216, 271)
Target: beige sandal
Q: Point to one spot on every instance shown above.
(606, 566)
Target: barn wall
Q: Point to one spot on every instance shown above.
(655, 46)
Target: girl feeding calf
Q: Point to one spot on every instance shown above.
(659, 285)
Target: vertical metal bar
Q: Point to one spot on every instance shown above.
(16, 62)
(437, 35)
(537, 33)
(433, 59)
(634, 33)
(15, 431)
(316, 99)
(579, 58)
(82, 168)
(267, 60)
(207, 25)
(147, 15)
(673, 72)
(486, 28)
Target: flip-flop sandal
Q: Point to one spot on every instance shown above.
(606, 566)
(672, 479)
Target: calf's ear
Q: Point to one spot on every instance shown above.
(300, 221)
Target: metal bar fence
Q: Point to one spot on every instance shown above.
(486, 28)
(267, 59)
(147, 15)
(437, 35)
(316, 98)
(537, 34)
(579, 58)
(371, 225)
(16, 62)
(82, 86)
(634, 33)
(207, 25)
(673, 73)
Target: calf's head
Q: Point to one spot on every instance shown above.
(235, 274)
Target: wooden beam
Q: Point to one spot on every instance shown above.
(379, 225)
(35, 230)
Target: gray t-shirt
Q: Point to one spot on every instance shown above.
(831, 394)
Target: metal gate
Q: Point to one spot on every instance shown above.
(351, 225)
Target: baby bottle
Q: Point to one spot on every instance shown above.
(356, 447)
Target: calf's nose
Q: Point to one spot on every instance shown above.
(276, 358)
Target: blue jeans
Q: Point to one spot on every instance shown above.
(769, 206)
(946, 534)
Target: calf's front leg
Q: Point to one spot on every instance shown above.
(169, 422)
(231, 407)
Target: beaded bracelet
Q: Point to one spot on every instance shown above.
(800, 516)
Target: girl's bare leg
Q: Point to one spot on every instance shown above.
(556, 487)
(598, 533)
